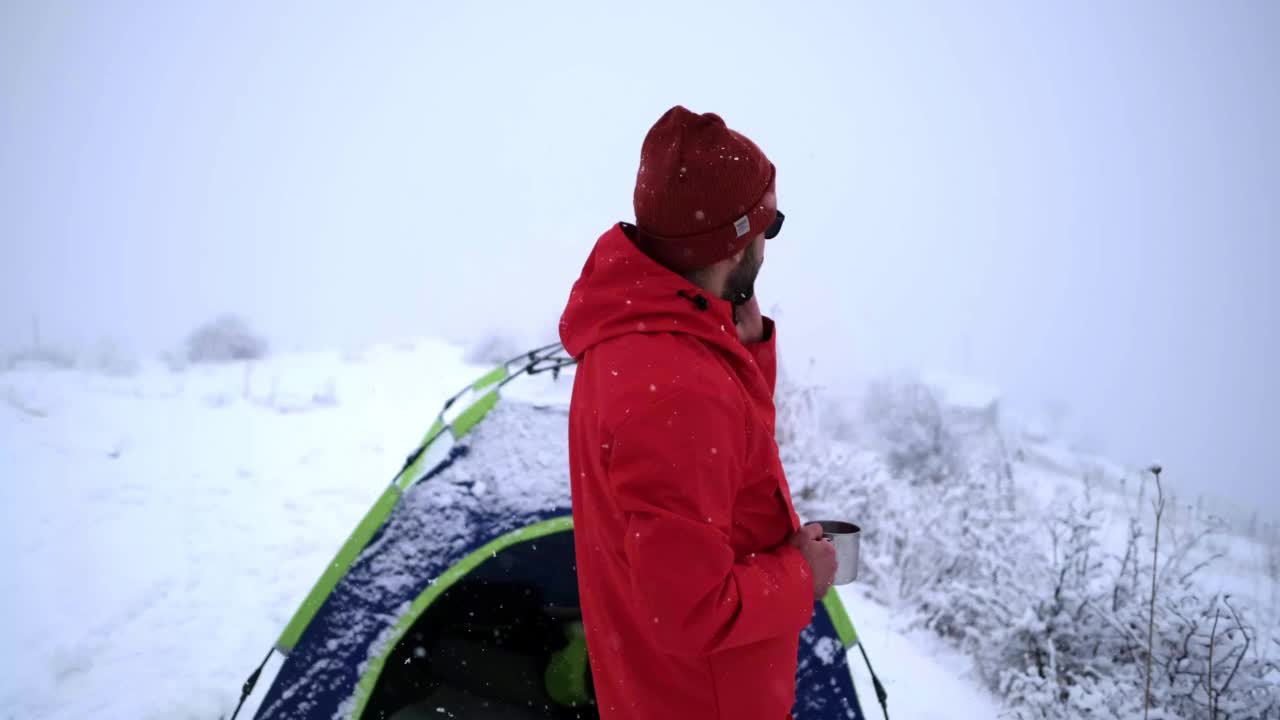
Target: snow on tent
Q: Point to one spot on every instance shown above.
(456, 595)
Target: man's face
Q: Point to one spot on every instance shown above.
(741, 284)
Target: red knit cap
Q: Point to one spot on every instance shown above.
(700, 191)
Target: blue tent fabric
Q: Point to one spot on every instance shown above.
(824, 687)
(322, 672)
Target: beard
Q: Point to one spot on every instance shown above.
(741, 283)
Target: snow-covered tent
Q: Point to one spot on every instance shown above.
(456, 595)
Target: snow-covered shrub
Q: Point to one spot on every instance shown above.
(111, 358)
(1051, 653)
(1074, 644)
(288, 403)
(798, 422)
(982, 555)
(39, 357)
(492, 348)
(226, 339)
(935, 534)
(957, 546)
(106, 357)
(1211, 665)
(840, 482)
(1055, 624)
(912, 432)
(832, 479)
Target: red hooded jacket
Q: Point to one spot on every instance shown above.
(692, 600)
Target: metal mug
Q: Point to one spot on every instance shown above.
(847, 538)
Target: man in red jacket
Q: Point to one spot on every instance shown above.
(695, 575)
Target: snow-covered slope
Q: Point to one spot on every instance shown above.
(162, 527)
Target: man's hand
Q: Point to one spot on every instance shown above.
(750, 322)
(820, 554)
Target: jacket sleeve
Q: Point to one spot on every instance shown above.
(766, 353)
(675, 468)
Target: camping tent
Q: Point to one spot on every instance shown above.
(456, 595)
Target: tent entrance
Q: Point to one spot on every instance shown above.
(504, 642)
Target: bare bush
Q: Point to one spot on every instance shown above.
(226, 339)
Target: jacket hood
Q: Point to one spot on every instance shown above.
(621, 290)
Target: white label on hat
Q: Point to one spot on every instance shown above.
(742, 225)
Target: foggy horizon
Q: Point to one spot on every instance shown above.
(1074, 205)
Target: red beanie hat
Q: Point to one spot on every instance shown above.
(700, 191)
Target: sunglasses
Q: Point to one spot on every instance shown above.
(775, 227)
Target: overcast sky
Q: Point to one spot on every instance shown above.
(1076, 203)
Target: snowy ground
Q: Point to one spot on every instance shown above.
(162, 527)
(924, 679)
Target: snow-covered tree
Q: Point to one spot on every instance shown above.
(225, 339)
